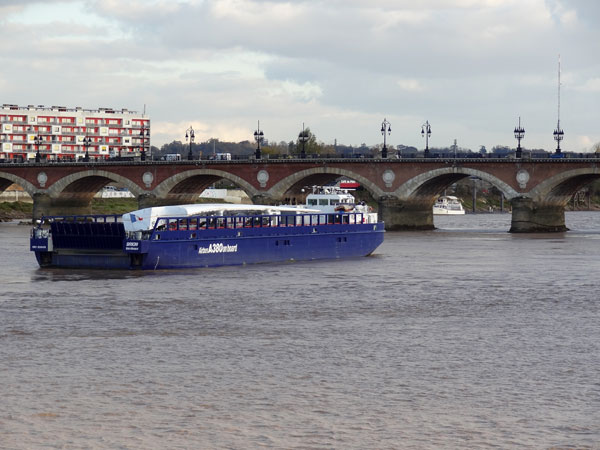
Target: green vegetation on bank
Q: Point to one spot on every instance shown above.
(15, 210)
(113, 205)
(123, 205)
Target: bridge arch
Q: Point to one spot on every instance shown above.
(560, 188)
(86, 183)
(319, 176)
(187, 185)
(6, 179)
(430, 184)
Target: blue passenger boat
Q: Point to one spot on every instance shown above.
(204, 235)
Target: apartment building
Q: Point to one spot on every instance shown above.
(60, 133)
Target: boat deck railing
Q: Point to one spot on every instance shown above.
(199, 223)
(257, 221)
(103, 218)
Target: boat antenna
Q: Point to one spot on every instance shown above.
(558, 133)
(558, 96)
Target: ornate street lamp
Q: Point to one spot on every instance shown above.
(303, 138)
(519, 134)
(558, 136)
(426, 132)
(38, 142)
(385, 124)
(87, 141)
(189, 134)
(143, 133)
(258, 137)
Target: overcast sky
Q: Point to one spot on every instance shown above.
(469, 67)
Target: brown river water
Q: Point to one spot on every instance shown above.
(463, 337)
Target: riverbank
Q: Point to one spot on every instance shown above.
(24, 210)
(15, 211)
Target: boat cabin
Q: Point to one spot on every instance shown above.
(330, 199)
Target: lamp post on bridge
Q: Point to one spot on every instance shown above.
(87, 141)
(426, 132)
(303, 137)
(519, 134)
(385, 124)
(558, 136)
(189, 134)
(38, 142)
(143, 133)
(258, 137)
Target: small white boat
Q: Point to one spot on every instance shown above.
(448, 204)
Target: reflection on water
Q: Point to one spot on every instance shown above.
(463, 337)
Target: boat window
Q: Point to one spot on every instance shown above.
(183, 224)
(323, 202)
(172, 224)
(162, 224)
(311, 201)
(334, 202)
(193, 223)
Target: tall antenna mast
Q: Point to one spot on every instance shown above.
(558, 133)
(558, 91)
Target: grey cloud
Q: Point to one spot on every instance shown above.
(470, 62)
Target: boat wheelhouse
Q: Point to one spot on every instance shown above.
(331, 199)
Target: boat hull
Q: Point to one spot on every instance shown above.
(221, 247)
(445, 212)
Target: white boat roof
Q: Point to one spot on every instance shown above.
(448, 197)
(144, 219)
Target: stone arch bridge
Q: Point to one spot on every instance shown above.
(405, 189)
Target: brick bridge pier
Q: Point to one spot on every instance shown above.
(405, 189)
